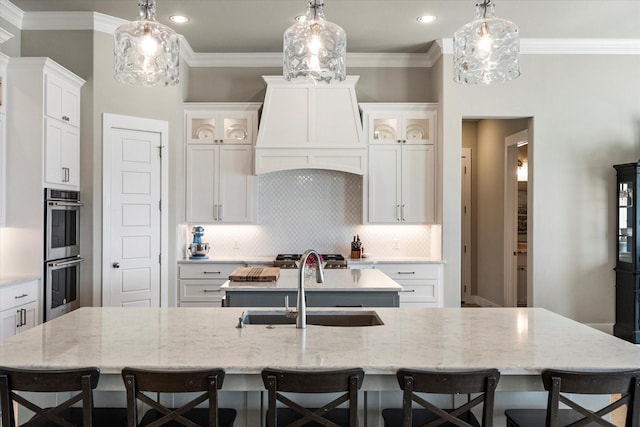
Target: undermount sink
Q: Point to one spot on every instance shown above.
(320, 318)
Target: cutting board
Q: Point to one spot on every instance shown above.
(255, 274)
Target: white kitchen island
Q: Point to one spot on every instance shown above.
(520, 342)
(341, 288)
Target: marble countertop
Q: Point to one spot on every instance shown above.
(394, 260)
(335, 280)
(517, 341)
(16, 280)
(235, 259)
(269, 259)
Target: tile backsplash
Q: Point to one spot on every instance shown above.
(313, 209)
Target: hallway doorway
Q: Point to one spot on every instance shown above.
(496, 233)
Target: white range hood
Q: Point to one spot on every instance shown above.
(310, 126)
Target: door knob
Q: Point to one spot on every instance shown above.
(116, 265)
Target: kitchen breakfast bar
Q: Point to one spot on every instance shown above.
(520, 342)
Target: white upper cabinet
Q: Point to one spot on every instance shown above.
(221, 123)
(220, 185)
(402, 163)
(405, 123)
(62, 163)
(45, 119)
(62, 100)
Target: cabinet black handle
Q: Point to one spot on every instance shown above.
(21, 296)
(211, 272)
(406, 272)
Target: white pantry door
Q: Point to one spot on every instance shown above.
(132, 237)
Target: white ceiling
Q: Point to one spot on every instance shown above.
(224, 26)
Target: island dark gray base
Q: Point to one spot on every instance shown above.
(247, 298)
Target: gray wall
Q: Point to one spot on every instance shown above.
(232, 84)
(585, 119)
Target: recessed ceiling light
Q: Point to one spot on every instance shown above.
(179, 19)
(427, 19)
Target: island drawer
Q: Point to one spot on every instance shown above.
(199, 290)
(208, 270)
(16, 295)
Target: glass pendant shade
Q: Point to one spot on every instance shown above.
(146, 53)
(487, 49)
(315, 48)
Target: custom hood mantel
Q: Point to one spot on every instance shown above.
(310, 126)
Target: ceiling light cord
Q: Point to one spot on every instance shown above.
(147, 9)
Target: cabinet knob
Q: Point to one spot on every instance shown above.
(115, 265)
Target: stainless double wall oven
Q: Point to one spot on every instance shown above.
(61, 252)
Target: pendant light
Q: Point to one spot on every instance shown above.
(315, 48)
(146, 53)
(487, 49)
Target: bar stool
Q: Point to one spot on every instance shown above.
(209, 381)
(558, 382)
(443, 382)
(81, 380)
(348, 381)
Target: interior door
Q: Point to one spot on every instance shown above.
(132, 215)
(511, 217)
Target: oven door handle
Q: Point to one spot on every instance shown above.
(61, 264)
(63, 203)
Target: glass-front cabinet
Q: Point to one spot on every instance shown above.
(625, 221)
(222, 123)
(627, 268)
(403, 123)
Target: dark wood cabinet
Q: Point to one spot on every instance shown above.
(627, 267)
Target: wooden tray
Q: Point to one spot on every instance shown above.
(255, 274)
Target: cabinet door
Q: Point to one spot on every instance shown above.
(418, 184)
(418, 127)
(384, 184)
(9, 321)
(62, 145)
(18, 319)
(236, 192)
(202, 183)
(236, 127)
(62, 100)
(29, 314)
(384, 128)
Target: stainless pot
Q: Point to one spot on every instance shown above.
(198, 250)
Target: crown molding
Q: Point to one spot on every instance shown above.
(108, 24)
(580, 46)
(11, 13)
(4, 35)
(568, 46)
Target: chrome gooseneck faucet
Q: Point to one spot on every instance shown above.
(301, 319)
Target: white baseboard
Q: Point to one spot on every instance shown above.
(482, 302)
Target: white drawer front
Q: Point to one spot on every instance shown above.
(217, 303)
(200, 290)
(17, 295)
(419, 291)
(410, 271)
(207, 271)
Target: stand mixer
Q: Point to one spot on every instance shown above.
(197, 249)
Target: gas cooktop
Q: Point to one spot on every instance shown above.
(329, 260)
